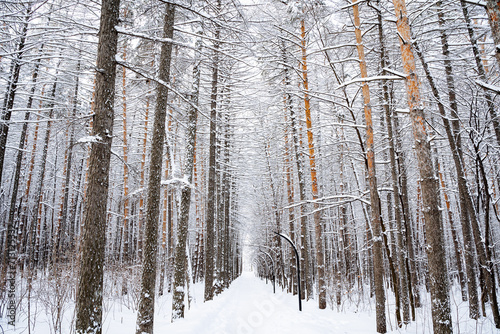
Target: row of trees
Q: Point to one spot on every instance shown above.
(426, 203)
(164, 143)
(128, 191)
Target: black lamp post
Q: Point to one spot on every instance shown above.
(298, 265)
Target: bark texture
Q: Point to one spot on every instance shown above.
(374, 196)
(145, 316)
(90, 282)
(180, 261)
(436, 254)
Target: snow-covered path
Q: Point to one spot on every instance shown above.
(249, 306)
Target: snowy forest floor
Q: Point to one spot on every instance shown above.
(248, 306)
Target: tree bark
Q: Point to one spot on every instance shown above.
(145, 316)
(378, 262)
(183, 223)
(400, 225)
(318, 228)
(210, 206)
(9, 262)
(90, 282)
(436, 254)
(463, 194)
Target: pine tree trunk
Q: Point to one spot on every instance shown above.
(400, 226)
(145, 316)
(36, 223)
(304, 248)
(374, 196)
(456, 245)
(183, 223)
(318, 228)
(90, 282)
(126, 225)
(211, 197)
(436, 254)
(143, 172)
(463, 194)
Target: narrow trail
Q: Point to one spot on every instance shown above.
(249, 306)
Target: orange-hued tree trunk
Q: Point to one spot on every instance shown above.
(493, 10)
(378, 261)
(318, 228)
(436, 254)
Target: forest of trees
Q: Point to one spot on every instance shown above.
(152, 144)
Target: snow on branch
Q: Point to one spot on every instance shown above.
(488, 86)
(178, 181)
(375, 78)
(477, 3)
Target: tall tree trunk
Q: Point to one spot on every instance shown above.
(145, 316)
(456, 243)
(23, 221)
(463, 194)
(400, 225)
(290, 197)
(318, 228)
(210, 224)
(378, 262)
(180, 262)
(436, 254)
(90, 282)
(143, 172)
(304, 248)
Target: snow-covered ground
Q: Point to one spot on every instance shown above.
(249, 306)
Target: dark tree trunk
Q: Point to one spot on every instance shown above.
(180, 264)
(436, 253)
(145, 316)
(210, 206)
(90, 282)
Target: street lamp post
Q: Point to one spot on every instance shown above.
(298, 265)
